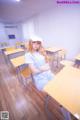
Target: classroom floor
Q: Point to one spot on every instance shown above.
(23, 103)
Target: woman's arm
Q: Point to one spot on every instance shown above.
(41, 69)
(45, 67)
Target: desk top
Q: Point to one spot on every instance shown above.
(13, 51)
(53, 49)
(18, 61)
(78, 57)
(65, 88)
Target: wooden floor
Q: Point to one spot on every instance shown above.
(23, 103)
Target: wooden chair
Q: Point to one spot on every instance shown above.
(62, 54)
(62, 59)
(52, 61)
(18, 44)
(56, 58)
(26, 76)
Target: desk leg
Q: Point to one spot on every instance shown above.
(77, 63)
(50, 116)
(65, 113)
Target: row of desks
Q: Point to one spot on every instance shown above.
(52, 50)
(17, 61)
(21, 59)
(65, 88)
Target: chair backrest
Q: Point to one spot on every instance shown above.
(62, 54)
(26, 72)
(26, 76)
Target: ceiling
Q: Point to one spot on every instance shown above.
(14, 12)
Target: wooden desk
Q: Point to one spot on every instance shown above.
(8, 52)
(78, 57)
(18, 61)
(65, 88)
(53, 49)
(14, 53)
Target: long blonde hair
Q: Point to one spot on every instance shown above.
(41, 50)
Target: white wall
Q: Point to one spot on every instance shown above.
(60, 27)
(10, 29)
(2, 33)
(28, 29)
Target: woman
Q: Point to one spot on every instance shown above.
(37, 60)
